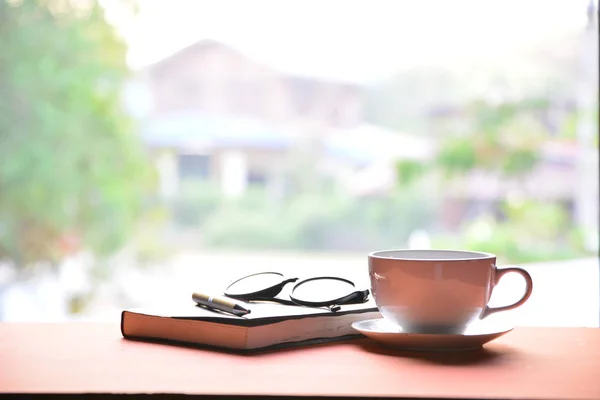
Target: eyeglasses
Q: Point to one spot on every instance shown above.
(322, 291)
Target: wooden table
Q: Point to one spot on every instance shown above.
(93, 358)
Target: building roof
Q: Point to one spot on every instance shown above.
(192, 130)
(340, 78)
(364, 144)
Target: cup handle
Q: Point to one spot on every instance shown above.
(500, 272)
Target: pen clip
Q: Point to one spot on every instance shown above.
(216, 310)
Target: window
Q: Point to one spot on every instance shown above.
(194, 166)
(394, 69)
(257, 178)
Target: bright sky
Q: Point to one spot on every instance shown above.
(347, 39)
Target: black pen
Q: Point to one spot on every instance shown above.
(220, 303)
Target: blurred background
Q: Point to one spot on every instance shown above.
(150, 146)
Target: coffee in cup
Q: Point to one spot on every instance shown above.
(437, 291)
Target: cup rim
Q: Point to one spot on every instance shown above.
(474, 255)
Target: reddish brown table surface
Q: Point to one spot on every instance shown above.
(76, 358)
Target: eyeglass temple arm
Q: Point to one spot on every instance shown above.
(356, 297)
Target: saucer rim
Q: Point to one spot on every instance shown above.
(505, 328)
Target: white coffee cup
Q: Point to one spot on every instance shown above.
(437, 291)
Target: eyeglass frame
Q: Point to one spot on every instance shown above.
(270, 293)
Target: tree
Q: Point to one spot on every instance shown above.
(72, 172)
(500, 138)
(504, 140)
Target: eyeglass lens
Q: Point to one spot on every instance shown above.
(254, 283)
(322, 290)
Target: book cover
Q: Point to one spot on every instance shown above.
(266, 326)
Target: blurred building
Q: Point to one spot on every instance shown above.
(215, 79)
(209, 112)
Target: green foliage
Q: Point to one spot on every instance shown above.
(519, 162)
(409, 171)
(505, 138)
(194, 204)
(238, 228)
(456, 156)
(324, 221)
(569, 126)
(532, 231)
(537, 219)
(70, 165)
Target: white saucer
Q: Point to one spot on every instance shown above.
(388, 334)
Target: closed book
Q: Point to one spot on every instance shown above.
(268, 325)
